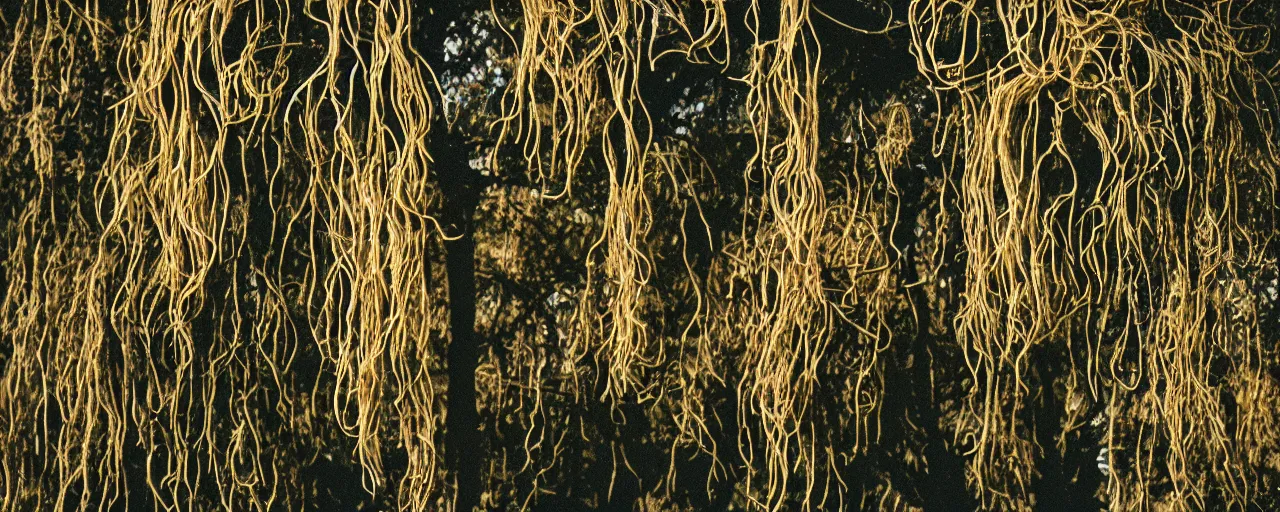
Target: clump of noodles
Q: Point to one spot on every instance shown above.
(169, 217)
(135, 289)
(573, 87)
(1104, 155)
(628, 217)
(788, 310)
(154, 326)
(365, 132)
(786, 325)
(48, 249)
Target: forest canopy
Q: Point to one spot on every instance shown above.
(639, 255)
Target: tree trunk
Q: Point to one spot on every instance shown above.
(463, 447)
